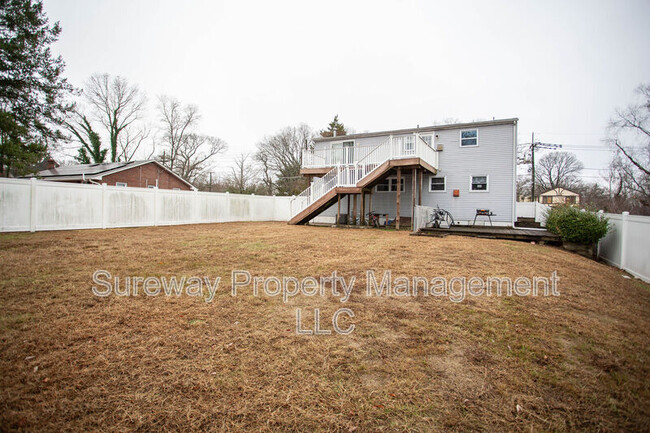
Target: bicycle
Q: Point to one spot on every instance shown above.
(440, 217)
(373, 219)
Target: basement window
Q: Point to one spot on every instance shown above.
(469, 138)
(389, 185)
(120, 184)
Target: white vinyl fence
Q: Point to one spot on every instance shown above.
(421, 216)
(34, 205)
(532, 210)
(627, 244)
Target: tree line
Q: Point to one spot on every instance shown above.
(623, 186)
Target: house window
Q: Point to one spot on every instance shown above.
(478, 183)
(120, 184)
(151, 186)
(428, 139)
(176, 189)
(546, 199)
(469, 137)
(437, 184)
(389, 185)
(571, 199)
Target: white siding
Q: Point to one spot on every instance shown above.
(493, 157)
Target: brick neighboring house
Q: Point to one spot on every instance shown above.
(139, 174)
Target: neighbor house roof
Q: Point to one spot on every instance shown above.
(559, 191)
(432, 128)
(96, 171)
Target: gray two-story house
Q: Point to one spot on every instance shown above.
(459, 167)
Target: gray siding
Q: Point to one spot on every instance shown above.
(494, 157)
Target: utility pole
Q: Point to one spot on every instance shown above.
(210, 181)
(533, 146)
(532, 161)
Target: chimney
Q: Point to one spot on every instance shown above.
(51, 163)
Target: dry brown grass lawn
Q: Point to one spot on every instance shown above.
(71, 361)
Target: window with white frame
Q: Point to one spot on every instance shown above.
(151, 186)
(120, 184)
(469, 137)
(438, 184)
(478, 183)
(428, 139)
(389, 185)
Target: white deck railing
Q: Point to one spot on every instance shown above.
(367, 158)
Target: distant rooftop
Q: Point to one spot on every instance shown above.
(86, 169)
(95, 172)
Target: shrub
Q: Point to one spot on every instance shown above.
(574, 225)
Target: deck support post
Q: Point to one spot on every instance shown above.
(399, 189)
(338, 208)
(348, 200)
(414, 175)
(354, 209)
(421, 172)
(362, 217)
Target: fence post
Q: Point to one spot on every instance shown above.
(32, 205)
(104, 205)
(195, 207)
(227, 217)
(155, 205)
(623, 243)
(601, 214)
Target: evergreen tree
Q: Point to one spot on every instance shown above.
(334, 125)
(32, 89)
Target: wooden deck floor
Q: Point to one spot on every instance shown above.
(517, 234)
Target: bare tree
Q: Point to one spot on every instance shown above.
(194, 154)
(266, 172)
(281, 154)
(630, 137)
(243, 175)
(523, 187)
(558, 170)
(117, 105)
(131, 141)
(177, 120)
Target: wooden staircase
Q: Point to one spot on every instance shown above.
(322, 204)
(379, 173)
(361, 175)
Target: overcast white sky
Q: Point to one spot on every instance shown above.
(254, 67)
